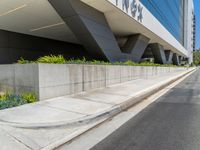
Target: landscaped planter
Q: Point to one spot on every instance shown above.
(54, 80)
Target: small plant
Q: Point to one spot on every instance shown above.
(52, 59)
(98, 62)
(22, 61)
(5, 96)
(29, 97)
(117, 63)
(130, 63)
(77, 61)
(8, 100)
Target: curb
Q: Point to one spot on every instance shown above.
(150, 91)
(73, 123)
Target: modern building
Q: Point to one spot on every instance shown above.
(194, 33)
(112, 30)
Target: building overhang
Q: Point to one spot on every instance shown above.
(122, 23)
(34, 17)
(39, 18)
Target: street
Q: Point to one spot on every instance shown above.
(170, 123)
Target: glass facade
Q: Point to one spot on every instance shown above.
(170, 13)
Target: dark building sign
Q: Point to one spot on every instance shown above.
(132, 6)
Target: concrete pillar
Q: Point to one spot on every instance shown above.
(136, 45)
(175, 59)
(90, 27)
(158, 53)
(169, 56)
(181, 60)
(147, 53)
(92, 30)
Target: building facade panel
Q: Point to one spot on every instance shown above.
(170, 14)
(139, 12)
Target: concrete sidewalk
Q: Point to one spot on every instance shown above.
(47, 124)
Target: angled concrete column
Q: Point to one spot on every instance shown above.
(186, 59)
(158, 53)
(147, 53)
(181, 60)
(90, 28)
(175, 59)
(169, 56)
(136, 45)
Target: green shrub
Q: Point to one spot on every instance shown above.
(61, 60)
(51, 59)
(9, 100)
(117, 63)
(77, 61)
(4, 96)
(130, 63)
(149, 64)
(29, 97)
(22, 61)
(98, 62)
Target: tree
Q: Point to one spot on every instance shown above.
(196, 57)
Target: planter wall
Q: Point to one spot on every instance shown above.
(54, 80)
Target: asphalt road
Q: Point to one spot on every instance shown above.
(171, 123)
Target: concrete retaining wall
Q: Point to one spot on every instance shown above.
(53, 80)
(19, 78)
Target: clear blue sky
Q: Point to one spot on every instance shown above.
(197, 13)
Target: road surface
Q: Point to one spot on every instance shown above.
(170, 123)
